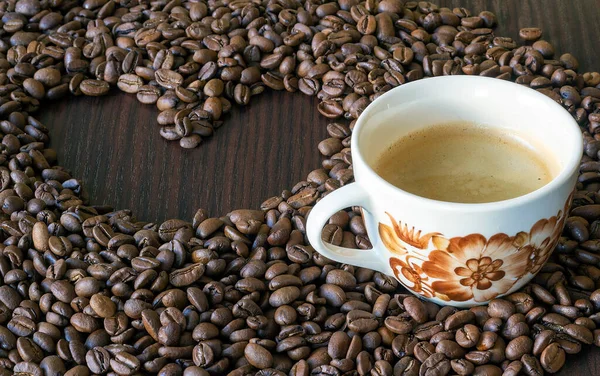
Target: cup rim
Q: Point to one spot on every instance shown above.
(563, 177)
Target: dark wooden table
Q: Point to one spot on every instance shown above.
(112, 143)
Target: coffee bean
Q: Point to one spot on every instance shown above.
(29, 351)
(48, 76)
(258, 356)
(450, 349)
(462, 366)
(361, 321)
(338, 345)
(407, 366)
(214, 88)
(55, 365)
(423, 350)
(94, 88)
(103, 306)
(519, 346)
(569, 61)
(63, 291)
(242, 94)
(21, 326)
(436, 364)
(34, 88)
(341, 278)
(27, 368)
(168, 78)
(399, 325)
(530, 33)
(542, 340)
(124, 363)
(459, 319)
(98, 360)
(284, 295)
(130, 83)
(40, 236)
(487, 370)
(579, 333)
(531, 365)
(148, 94)
(552, 358)
(84, 323)
(501, 308)
(468, 336)
(309, 86)
(334, 295)
(428, 330)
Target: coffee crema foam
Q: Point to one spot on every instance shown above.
(466, 163)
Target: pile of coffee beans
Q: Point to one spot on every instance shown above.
(89, 290)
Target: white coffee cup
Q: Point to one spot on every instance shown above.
(454, 253)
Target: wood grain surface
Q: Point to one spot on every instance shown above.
(113, 145)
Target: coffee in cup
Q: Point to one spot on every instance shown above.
(466, 162)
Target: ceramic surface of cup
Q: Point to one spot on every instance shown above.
(454, 253)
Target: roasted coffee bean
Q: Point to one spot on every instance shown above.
(416, 309)
(399, 325)
(168, 78)
(519, 346)
(258, 356)
(361, 321)
(103, 306)
(530, 34)
(338, 345)
(98, 360)
(487, 370)
(552, 358)
(424, 350)
(284, 295)
(458, 319)
(450, 349)
(468, 336)
(124, 363)
(436, 364)
(29, 351)
(531, 365)
(501, 308)
(542, 340)
(130, 83)
(462, 366)
(94, 88)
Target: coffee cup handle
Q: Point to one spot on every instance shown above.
(350, 195)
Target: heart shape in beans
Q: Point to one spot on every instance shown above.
(94, 289)
(158, 180)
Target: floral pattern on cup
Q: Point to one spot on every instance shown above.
(472, 267)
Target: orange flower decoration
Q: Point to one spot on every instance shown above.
(411, 237)
(538, 243)
(473, 268)
(411, 273)
(560, 225)
(390, 240)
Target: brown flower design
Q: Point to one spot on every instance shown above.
(473, 268)
(560, 225)
(411, 236)
(390, 240)
(411, 272)
(538, 244)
